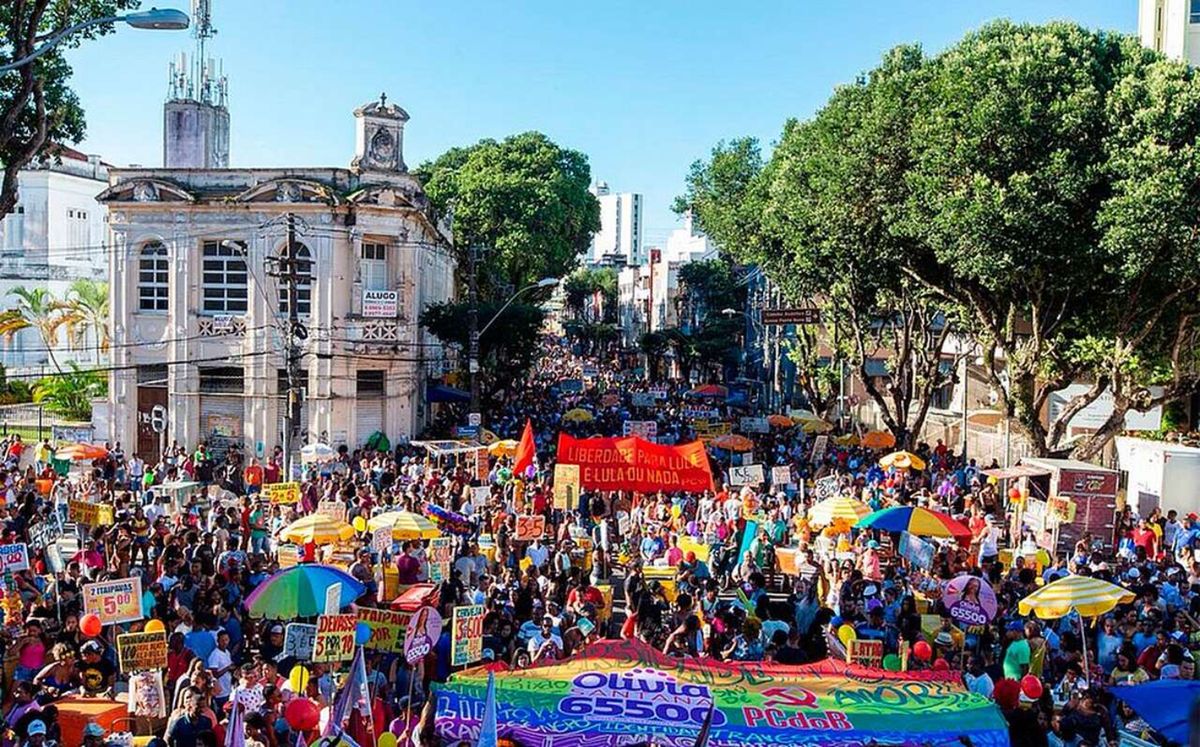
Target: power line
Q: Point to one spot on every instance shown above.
(135, 366)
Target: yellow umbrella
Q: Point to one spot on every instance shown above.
(317, 528)
(837, 507)
(878, 440)
(902, 460)
(507, 448)
(815, 425)
(1088, 596)
(405, 525)
(578, 415)
(850, 439)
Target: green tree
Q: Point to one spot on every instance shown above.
(37, 107)
(37, 309)
(524, 199)
(86, 310)
(507, 347)
(582, 286)
(706, 288)
(654, 346)
(70, 393)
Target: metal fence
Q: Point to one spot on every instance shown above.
(32, 420)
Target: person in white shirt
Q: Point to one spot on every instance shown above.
(978, 680)
(989, 548)
(545, 643)
(220, 663)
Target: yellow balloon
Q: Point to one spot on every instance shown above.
(846, 634)
(155, 626)
(387, 739)
(359, 524)
(298, 679)
(993, 480)
(676, 511)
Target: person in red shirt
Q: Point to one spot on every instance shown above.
(253, 476)
(583, 594)
(1146, 538)
(271, 472)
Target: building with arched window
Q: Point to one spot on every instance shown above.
(200, 315)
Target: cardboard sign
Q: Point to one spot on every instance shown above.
(422, 632)
(480, 495)
(381, 540)
(298, 640)
(483, 466)
(820, 446)
(867, 653)
(827, 487)
(466, 635)
(91, 514)
(754, 425)
(647, 429)
(441, 552)
(335, 638)
(746, 474)
(530, 528)
(140, 651)
(566, 486)
(387, 628)
(643, 399)
(289, 555)
(781, 475)
(282, 492)
(146, 696)
(45, 532)
(114, 601)
(333, 598)
(14, 557)
(916, 551)
(332, 509)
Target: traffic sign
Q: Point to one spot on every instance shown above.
(778, 317)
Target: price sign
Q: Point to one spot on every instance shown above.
(332, 509)
(466, 635)
(387, 628)
(114, 601)
(91, 514)
(14, 557)
(424, 628)
(282, 492)
(335, 638)
(298, 639)
(441, 550)
(381, 539)
(140, 651)
(530, 528)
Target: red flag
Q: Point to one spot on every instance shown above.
(525, 450)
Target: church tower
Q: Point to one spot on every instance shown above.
(196, 114)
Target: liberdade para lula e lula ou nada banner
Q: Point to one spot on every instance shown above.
(636, 464)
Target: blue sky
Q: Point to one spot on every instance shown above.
(644, 88)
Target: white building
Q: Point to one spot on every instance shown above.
(54, 236)
(1171, 27)
(619, 240)
(688, 244)
(199, 324)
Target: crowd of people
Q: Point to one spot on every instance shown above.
(675, 571)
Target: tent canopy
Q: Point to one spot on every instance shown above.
(445, 393)
(448, 448)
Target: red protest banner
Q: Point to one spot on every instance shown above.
(636, 464)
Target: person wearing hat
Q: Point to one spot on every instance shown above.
(1017, 654)
(95, 672)
(35, 734)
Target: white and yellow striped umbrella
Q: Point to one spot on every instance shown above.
(838, 507)
(1089, 596)
(317, 528)
(405, 525)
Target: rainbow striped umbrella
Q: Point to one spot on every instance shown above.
(914, 520)
(299, 591)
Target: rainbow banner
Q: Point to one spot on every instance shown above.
(618, 691)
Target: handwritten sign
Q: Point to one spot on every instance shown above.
(298, 640)
(480, 495)
(381, 540)
(827, 487)
(335, 638)
(820, 446)
(867, 653)
(387, 628)
(137, 652)
(781, 475)
(333, 598)
(114, 601)
(566, 486)
(332, 509)
(282, 492)
(441, 551)
(746, 474)
(916, 551)
(14, 557)
(530, 528)
(483, 466)
(91, 514)
(466, 635)
(647, 429)
(424, 629)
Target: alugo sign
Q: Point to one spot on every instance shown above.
(791, 316)
(380, 304)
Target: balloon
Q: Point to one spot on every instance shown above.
(922, 651)
(891, 662)
(1014, 493)
(846, 634)
(298, 679)
(359, 524)
(941, 665)
(301, 714)
(362, 633)
(387, 739)
(675, 512)
(90, 625)
(155, 626)
(993, 480)
(1031, 686)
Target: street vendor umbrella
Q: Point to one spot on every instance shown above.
(1088, 596)
(317, 528)
(915, 520)
(902, 460)
(507, 448)
(848, 439)
(405, 525)
(733, 442)
(317, 453)
(299, 591)
(714, 391)
(80, 452)
(838, 507)
(578, 415)
(815, 425)
(878, 440)
(780, 421)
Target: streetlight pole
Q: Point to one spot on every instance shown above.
(155, 19)
(473, 324)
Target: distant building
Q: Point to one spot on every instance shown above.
(688, 244)
(646, 296)
(55, 235)
(1171, 27)
(619, 240)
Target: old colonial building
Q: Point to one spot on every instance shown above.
(199, 316)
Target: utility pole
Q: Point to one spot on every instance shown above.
(291, 276)
(473, 324)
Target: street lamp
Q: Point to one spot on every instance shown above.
(543, 283)
(473, 335)
(155, 19)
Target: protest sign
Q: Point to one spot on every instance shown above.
(820, 446)
(114, 601)
(530, 528)
(146, 696)
(381, 539)
(480, 495)
(643, 399)
(483, 466)
(298, 639)
(916, 551)
(332, 509)
(827, 487)
(282, 492)
(754, 425)
(14, 557)
(140, 651)
(865, 652)
(970, 600)
(91, 514)
(333, 598)
(660, 391)
(746, 474)
(335, 638)
(701, 413)
(424, 629)
(566, 486)
(781, 475)
(647, 429)
(635, 464)
(387, 628)
(46, 531)
(466, 635)
(441, 551)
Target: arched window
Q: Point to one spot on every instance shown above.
(304, 274)
(153, 277)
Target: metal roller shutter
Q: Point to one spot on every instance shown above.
(369, 417)
(222, 420)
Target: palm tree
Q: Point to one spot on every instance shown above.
(86, 308)
(70, 393)
(36, 309)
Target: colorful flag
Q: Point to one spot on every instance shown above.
(526, 450)
(235, 732)
(488, 733)
(353, 702)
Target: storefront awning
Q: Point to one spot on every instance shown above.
(1019, 470)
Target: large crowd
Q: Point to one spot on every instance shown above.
(675, 571)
